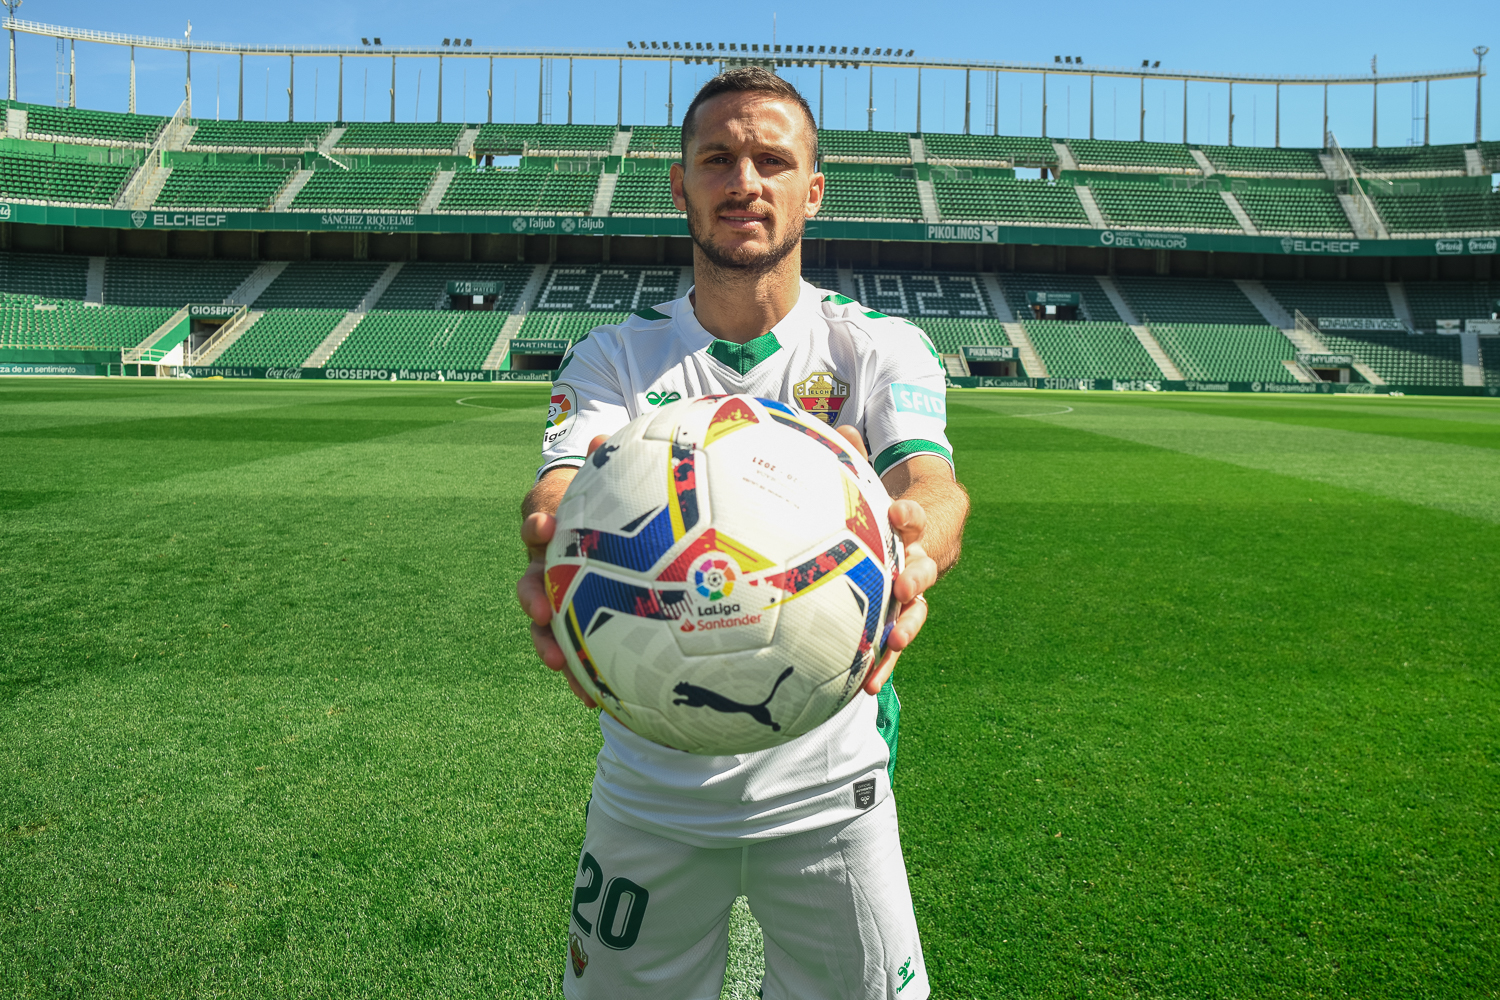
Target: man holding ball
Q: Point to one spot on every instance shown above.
(672, 838)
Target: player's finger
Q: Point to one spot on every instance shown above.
(531, 592)
(909, 520)
(547, 648)
(919, 573)
(855, 441)
(594, 444)
(908, 624)
(536, 531)
(578, 690)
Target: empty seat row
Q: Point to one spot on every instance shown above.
(401, 135)
(1223, 353)
(450, 339)
(1149, 205)
(509, 138)
(510, 190)
(1090, 350)
(998, 198)
(282, 338)
(72, 182)
(1294, 210)
(208, 186)
(30, 321)
(257, 135)
(368, 187)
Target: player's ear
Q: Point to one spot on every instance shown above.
(677, 175)
(815, 189)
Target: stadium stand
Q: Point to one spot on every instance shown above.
(1090, 350)
(506, 189)
(1277, 210)
(605, 288)
(282, 338)
(1418, 160)
(1127, 204)
(438, 136)
(57, 181)
(1151, 157)
(1263, 161)
(205, 186)
(1458, 212)
(98, 127)
(1359, 299)
(241, 135)
(918, 295)
(1188, 300)
(1431, 301)
(450, 339)
(1216, 353)
(997, 198)
(423, 284)
(1096, 305)
(566, 326)
(645, 192)
(860, 195)
(509, 139)
(143, 281)
(1401, 358)
(29, 321)
(656, 140)
(821, 277)
(949, 334)
(320, 284)
(52, 276)
(1002, 150)
(1490, 359)
(368, 187)
(850, 144)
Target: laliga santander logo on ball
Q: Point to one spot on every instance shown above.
(714, 579)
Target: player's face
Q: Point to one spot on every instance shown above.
(747, 183)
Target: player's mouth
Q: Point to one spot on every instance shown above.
(744, 221)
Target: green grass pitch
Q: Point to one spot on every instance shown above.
(1209, 709)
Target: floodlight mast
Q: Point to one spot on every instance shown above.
(10, 12)
(1479, 50)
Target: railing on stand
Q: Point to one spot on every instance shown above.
(1346, 181)
(138, 193)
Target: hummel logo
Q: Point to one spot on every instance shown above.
(663, 398)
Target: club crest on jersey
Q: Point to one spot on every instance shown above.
(823, 395)
(579, 957)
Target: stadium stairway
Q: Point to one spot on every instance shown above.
(294, 186)
(1065, 160)
(466, 141)
(94, 289)
(620, 144)
(1090, 207)
(1204, 163)
(918, 148)
(1265, 303)
(1238, 211)
(517, 317)
(331, 138)
(220, 342)
(1031, 361)
(175, 325)
(336, 336)
(604, 194)
(258, 281)
(434, 196)
(1399, 306)
(1158, 354)
(1473, 365)
(928, 200)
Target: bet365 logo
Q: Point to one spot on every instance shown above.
(663, 398)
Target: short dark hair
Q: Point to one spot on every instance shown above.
(749, 79)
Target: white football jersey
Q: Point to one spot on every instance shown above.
(842, 363)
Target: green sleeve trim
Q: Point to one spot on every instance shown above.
(837, 299)
(888, 723)
(649, 313)
(902, 450)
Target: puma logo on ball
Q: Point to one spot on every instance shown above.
(694, 696)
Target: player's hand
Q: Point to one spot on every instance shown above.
(531, 591)
(909, 521)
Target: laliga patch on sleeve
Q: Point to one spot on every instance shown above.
(561, 409)
(917, 399)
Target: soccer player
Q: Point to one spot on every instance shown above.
(807, 830)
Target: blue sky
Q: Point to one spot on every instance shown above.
(1278, 36)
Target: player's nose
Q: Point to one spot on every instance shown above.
(744, 179)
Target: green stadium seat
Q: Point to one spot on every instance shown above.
(1400, 358)
(282, 338)
(1261, 161)
(1431, 301)
(987, 199)
(320, 284)
(203, 186)
(1344, 299)
(917, 295)
(98, 127)
(1153, 157)
(850, 144)
(1489, 356)
(1220, 353)
(1188, 300)
(508, 190)
(998, 150)
(258, 136)
(423, 284)
(31, 321)
(860, 195)
(604, 288)
(655, 140)
(1469, 213)
(1276, 210)
(401, 188)
(1410, 160)
(569, 326)
(50, 276)
(145, 281)
(821, 277)
(57, 181)
(1126, 204)
(419, 339)
(1090, 350)
(1096, 305)
(644, 192)
(506, 139)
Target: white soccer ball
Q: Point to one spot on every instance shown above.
(721, 574)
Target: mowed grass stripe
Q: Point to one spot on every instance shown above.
(271, 726)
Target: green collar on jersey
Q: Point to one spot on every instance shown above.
(743, 357)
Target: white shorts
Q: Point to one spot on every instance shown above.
(650, 916)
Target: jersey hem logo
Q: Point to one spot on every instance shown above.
(561, 409)
(823, 395)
